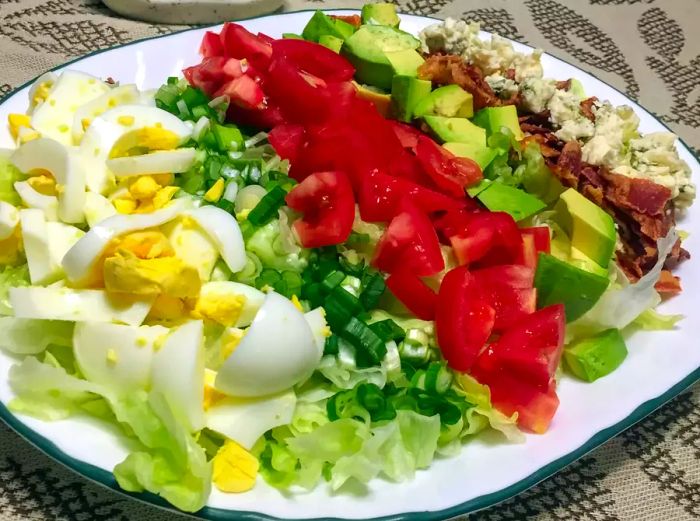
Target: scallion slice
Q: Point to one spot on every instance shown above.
(268, 206)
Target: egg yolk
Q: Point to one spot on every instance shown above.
(234, 468)
(167, 308)
(146, 194)
(215, 192)
(41, 93)
(143, 140)
(17, 122)
(223, 309)
(127, 273)
(44, 183)
(11, 248)
(211, 395)
(146, 244)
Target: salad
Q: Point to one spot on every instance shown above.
(328, 257)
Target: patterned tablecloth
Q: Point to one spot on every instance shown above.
(649, 49)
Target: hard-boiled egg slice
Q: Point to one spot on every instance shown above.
(40, 89)
(244, 420)
(178, 373)
(48, 204)
(121, 95)
(48, 155)
(316, 318)
(45, 244)
(278, 351)
(54, 117)
(117, 356)
(97, 208)
(224, 231)
(9, 218)
(192, 245)
(116, 132)
(228, 303)
(174, 161)
(76, 305)
(80, 259)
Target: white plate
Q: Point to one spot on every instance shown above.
(659, 365)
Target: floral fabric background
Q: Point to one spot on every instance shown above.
(649, 49)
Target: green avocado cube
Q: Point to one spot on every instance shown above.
(494, 118)
(292, 36)
(503, 198)
(449, 101)
(320, 23)
(380, 14)
(460, 130)
(590, 228)
(333, 43)
(559, 282)
(597, 356)
(406, 91)
(405, 62)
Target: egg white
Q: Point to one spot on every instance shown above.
(120, 95)
(47, 204)
(192, 245)
(158, 162)
(254, 298)
(9, 219)
(224, 231)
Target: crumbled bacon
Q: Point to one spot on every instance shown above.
(510, 74)
(451, 69)
(352, 19)
(668, 284)
(587, 107)
(639, 195)
(563, 84)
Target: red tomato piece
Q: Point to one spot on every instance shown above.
(211, 45)
(409, 242)
(450, 173)
(454, 222)
(265, 117)
(314, 59)
(408, 135)
(535, 240)
(325, 199)
(232, 68)
(541, 236)
(352, 19)
(208, 75)
(512, 275)
(240, 43)
(463, 320)
(406, 165)
(413, 293)
(489, 238)
(510, 304)
(266, 38)
(243, 91)
(287, 139)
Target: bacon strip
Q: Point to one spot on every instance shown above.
(668, 284)
(352, 19)
(587, 107)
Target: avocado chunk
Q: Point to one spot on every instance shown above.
(498, 197)
(597, 356)
(591, 229)
(450, 101)
(332, 42)
(366, 49)
(320, 23)
(482, 155)
(292, 36)
(380, 99)
(405, 62)
(559, 282)
(460, 130)
(479, 187)
(406, 91)
(380, 14)
(494, 118)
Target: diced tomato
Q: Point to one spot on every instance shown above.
(211, 45)
(489, 238)
(265, 117)
(266, 38)
(407, 134)
(380, 196)
(535, 240)
(409, 242)
(406, 165)
(463, 320)
(513, 275)
(508, 289)
(413, 293)
(240, 43)
(287, 139)
(232, 68)
(352, 19)
(326, 201)
(451, 173)
(207, 75)
(454, 222)
(314, 59)
(243, 91)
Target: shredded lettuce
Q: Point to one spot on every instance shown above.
(534, 175)
(652, 320)
(8, 176)
(25, 336)
(271, 248)
(167, 460)
(344, 374)
(10, 277)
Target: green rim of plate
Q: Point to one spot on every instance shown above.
(106, 478)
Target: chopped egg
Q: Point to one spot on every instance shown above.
(192, 245)
(47, 204)
(39, 90)
(127, 273)
(109, 137)
(234, 469)
(75, 305)
(97, 208)
(278, 351)
(215, 192)
(47, 155)
(17, 122)
(224, 232)
(167, 309)
(228, 303)
(45, 184)
(178, 373)
(114, 355)
(120, 95)
(54, 117)
(9, 219)
(246, 419)
(11, 248)
(175, 161)
(80, 261)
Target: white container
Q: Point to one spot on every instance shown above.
(191, 11)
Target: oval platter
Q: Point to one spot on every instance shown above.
(660, 365)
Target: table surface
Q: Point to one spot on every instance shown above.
(649, 49)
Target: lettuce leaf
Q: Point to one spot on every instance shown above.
(8, 176)
(534, 175)
(26, 336)
(652, 320)
(167, 460)
(272, 248)
(10, 277)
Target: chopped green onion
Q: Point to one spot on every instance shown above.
(268, 206)
(228, 137)
(356, 270)
(226, 205)
(332, 280)
(351, 285)
(438, 378)
(193, 185)
(364, 340)
(201, 111)
(292, 283)
(268, 277)
(374, 288)
(314, 294)
(331, 345)
(194, 97)
(388, 330)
